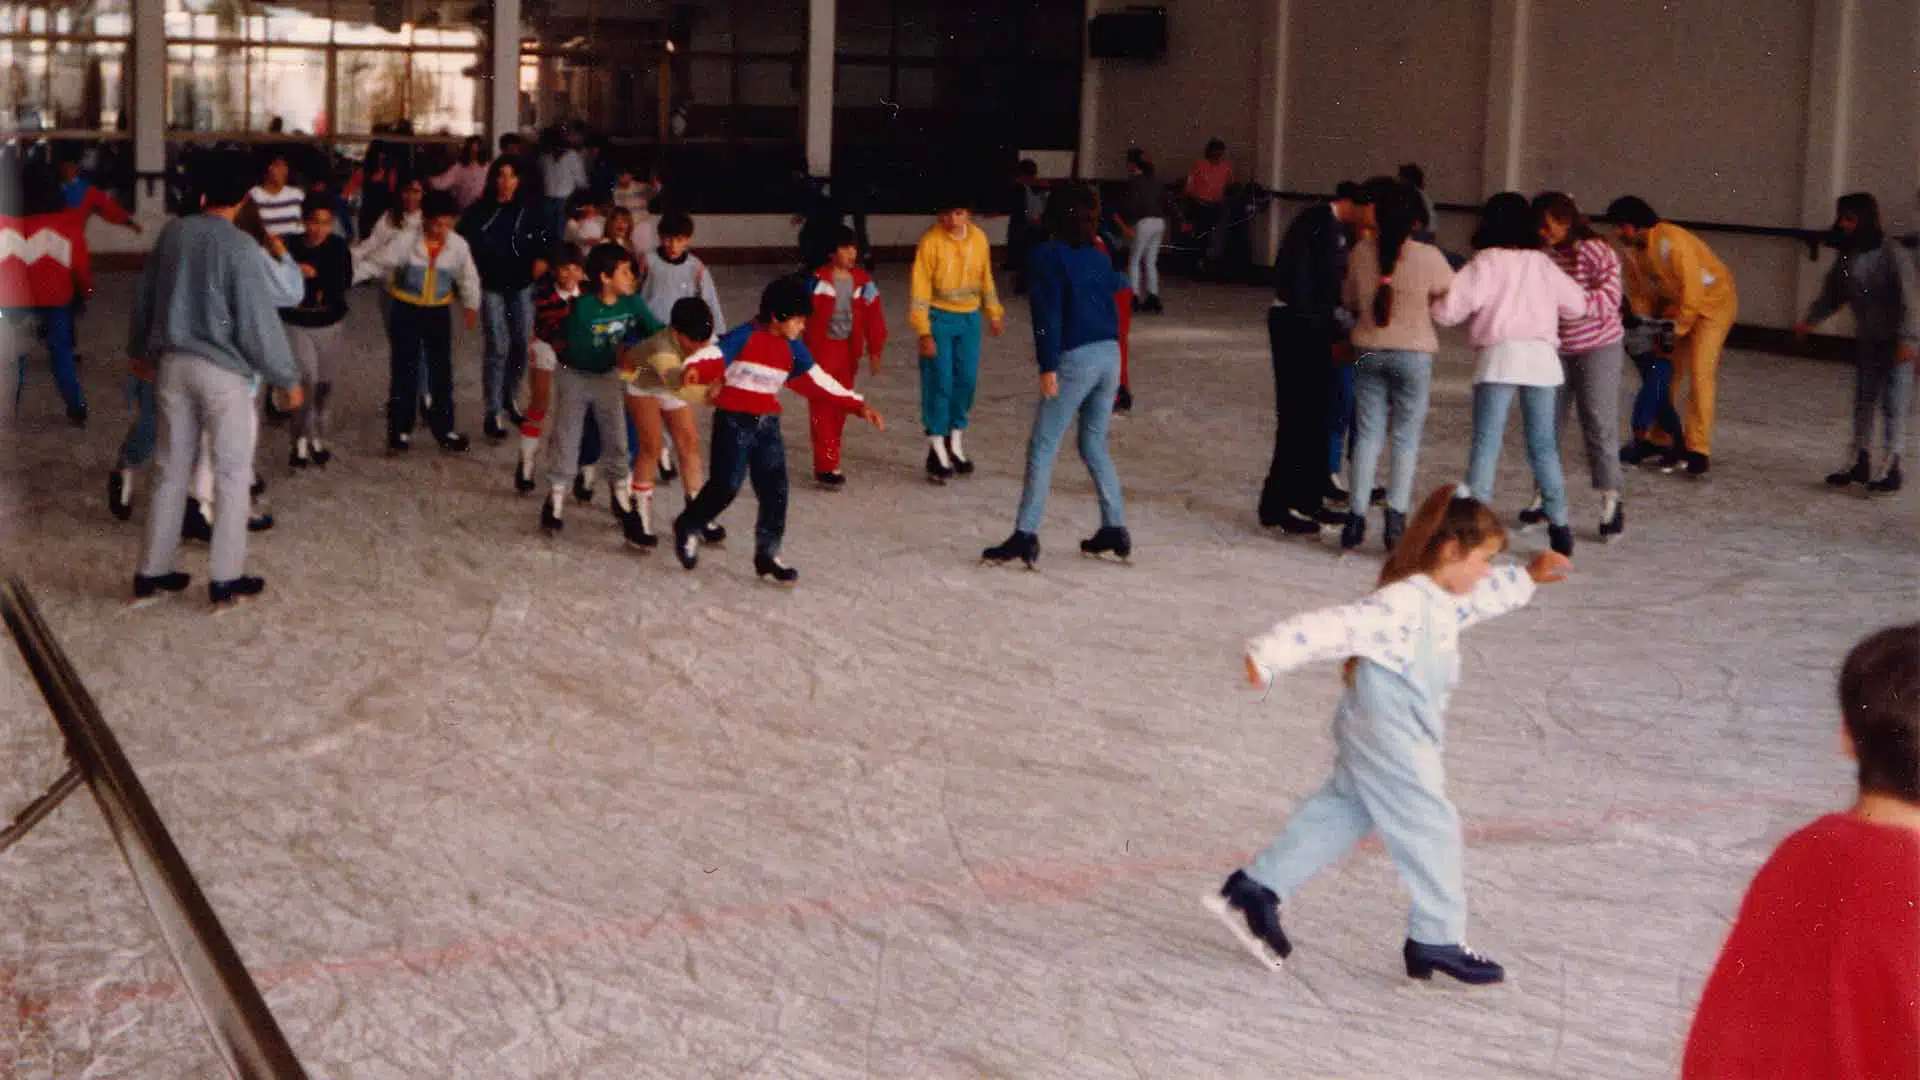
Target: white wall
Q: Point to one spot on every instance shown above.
(1171, 107)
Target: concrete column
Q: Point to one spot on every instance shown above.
(1508, 41)
(504, 97)
(150, 110)
(1270, 126)
(818, 118)
(1086, 158)
(1829, 128)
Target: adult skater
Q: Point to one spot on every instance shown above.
(1076, 334)
(1686, 282)
(506, 234)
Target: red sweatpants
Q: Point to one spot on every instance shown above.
(837, 359)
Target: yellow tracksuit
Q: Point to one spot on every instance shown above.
(951, 275)
(1677, 276)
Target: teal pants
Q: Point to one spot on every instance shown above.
(948, 379)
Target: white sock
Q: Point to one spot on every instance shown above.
(953, 442)
(587, 473)
(317, 447)
(303, 447)
(1609, 502)
(622, 499)
(939, 445)
(558, 499)
(666, 455)
(643, 497)
(529, 446)
(126, 484)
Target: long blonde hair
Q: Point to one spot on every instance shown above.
(1446, 515)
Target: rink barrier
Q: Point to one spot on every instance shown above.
(238, 1021)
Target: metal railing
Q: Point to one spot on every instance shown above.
(243, 1030)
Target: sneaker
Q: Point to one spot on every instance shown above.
(399, 442)
(149, 588)
(495, 430)
(1024, 546)
(938, 472)
(962, 464)
(1890, 482)
(1395, 528)
(1698, 464)
(686, 543)
(228, 593)
(830, 481)
(194, 524)
(1353, 533)
(1123, 402)
(1251, 912)
(453, 442)
(1859, 474)
(1560, 539)
(713, 535)
(770, 566)
(1536, 511)
(1456, 960)
(120, 493)
(1108, 540)
(1613, 516)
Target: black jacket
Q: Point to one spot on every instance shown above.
(325, 302)
(1312, 264)
(505, 240)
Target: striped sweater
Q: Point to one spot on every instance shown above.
(279, 210)
(754, 363)
(1593, 265)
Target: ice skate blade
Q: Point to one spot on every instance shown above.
(1107, 557)
(1236, 925)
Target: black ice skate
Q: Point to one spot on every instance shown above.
(1395, 528)
(1108, 540)
(194, 524)
(1456, 960)
(1251, 912)
(494, 429)
(713, 535)
(399, 442)
(1698, 464)
(453, 442)
(1889, 483)
(686, 543)
(1024, 546)
(1353, 533)
(148, 589)
(1294, 522)
(1637, 451)
(830, 481)
(523, 476)
(583, 485)
(668, 473)
(260, 523)
(962, 464)
(550, 514)
(1536, 511)
(1123, 402)
(938, 472)
(1856, 475)
(298, 457)
(1560, 539)
(1669, 459)
(1613, 517)
(636, 532)
(769, 567)
(227, 594)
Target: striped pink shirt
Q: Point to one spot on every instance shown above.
(1593, 265)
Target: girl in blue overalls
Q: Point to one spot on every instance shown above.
(1403, 660)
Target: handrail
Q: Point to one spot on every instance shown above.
(242, 1028)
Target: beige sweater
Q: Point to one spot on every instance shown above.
(1419, 275)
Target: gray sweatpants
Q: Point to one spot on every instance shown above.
(574, 393)
(194, 394)
(1593, 383)
(1880, 383)
(317, 350)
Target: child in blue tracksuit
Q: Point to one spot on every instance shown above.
(1402, 646)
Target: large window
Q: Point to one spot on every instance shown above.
(65, 67)
(330, 68)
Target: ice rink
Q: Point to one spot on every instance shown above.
(476, 803)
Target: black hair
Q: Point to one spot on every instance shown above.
(67, 152)
(1350, 191)
(1632, 210)
(1216, 144)
(317, 200)
(1507, 221)
(1029, 167)
(509, 138)
(40, 189)
(842, 236)
(692, 317)
(604, 260)
(1880, 704)
(438, 204)
(403, 179)
(1865, 210)
(579, 201)
(224, 179)
(520, 170)
(952, 196)
(785, 297)
(675, 223)
(1394, 216)
(1413, 176)
(1072, 214)
(566, 255)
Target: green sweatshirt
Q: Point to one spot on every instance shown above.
(596, 330)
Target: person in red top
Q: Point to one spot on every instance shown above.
(44, 267)
(1820, 975)
(847, 321)
(1206, 195)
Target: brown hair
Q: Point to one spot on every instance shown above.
(1446, 515)
(1560, 206)
(1880, 703)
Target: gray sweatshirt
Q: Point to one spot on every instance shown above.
(205, 291)
(662, 283)
(1882, 287)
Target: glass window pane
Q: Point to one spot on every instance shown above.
(447, 94)
(861, 86)
(863, 27)
(370, 22)
(206, 88)
(103, 17)
(88, 88)
(769, 83)
(13, 18)
(711, 82)
(710, 27)
(916, 87)
(281, 23)
(372, 88)
(288, 86)
(23, 86)
(773, 26)
(211, 19)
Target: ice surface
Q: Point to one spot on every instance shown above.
(476, 803)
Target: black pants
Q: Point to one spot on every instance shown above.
(745, 445)
(1302, 380)
(412, 330)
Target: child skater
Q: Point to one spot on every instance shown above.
(553, 298)
(952, 286)
(585, 226)
(314, 327)
(602, 322)
(653, 403)
(669, 272)
(847, 321)
(755, 360)
(1516, 298)
(426, 272)
(1402, 650)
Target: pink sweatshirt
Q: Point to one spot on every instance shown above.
(1511, 295)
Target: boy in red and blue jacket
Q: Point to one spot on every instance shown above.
(755, 361)
(847, 321)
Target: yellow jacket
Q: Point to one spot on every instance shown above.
(1677, 276)
(952, 275)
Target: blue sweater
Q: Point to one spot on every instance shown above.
(205, 292)
(1071, 291)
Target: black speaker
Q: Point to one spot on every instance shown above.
(1138, 33)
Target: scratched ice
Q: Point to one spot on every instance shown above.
(474, 803)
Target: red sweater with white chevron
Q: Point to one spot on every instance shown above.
(754, 363)
(43, 259)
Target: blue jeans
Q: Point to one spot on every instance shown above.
(56, 326)
(506, 319)
(745, 445)
(137, 449)
(947, 381)
(1390, 395)
(1490, 404)
(1339, 414)
(1653, 405)
(1089, 377)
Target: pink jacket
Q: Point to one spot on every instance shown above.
(1512, 295)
